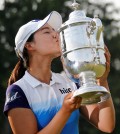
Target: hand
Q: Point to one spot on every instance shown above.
(71, 103)
(105, 75)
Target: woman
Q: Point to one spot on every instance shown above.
(39, 101)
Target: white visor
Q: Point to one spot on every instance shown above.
(54, 19)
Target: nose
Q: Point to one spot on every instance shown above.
(55, 34)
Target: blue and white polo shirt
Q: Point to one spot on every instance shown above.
(44, 100)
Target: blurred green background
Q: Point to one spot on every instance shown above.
(14, 13)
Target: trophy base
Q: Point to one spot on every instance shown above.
(92, 95)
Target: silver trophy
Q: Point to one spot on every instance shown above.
(83, 56)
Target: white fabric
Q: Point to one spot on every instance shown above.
(46, 100)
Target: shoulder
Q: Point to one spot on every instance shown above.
(13, 87)
(61, 77)
(15, 97)
(13, 90)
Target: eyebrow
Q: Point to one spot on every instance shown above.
(44, 28)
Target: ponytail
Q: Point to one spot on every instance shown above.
(21, 66)
(17, 72)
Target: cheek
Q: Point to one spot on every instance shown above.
(46, 40)
(44, 45)
(41, 42)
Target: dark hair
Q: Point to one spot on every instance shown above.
(21, 66)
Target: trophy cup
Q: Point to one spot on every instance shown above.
(83, 56)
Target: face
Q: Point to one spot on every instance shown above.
(46, 42)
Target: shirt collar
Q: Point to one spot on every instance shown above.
(56, 78)
(34, 82)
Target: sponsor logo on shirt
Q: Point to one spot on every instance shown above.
(11, 97)
(64, 91)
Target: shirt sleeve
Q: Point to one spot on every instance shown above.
(15, 98)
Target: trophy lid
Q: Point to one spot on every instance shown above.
(77, 15)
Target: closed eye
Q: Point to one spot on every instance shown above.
(46, 32)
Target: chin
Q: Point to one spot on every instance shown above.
(57, 55)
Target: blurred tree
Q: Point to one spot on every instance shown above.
(17, 12)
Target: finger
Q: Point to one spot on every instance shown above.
(78, 104)
(107, 55)
(108, 67)
(74, 100)
(107, 58)
(80, 99)
(107, 50)
(69, 95)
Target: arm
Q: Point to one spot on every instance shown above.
(23, 121)
(101, 115)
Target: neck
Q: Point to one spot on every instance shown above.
(41, 70)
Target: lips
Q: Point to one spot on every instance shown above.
(56, 40)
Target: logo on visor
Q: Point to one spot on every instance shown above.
(35, 20)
